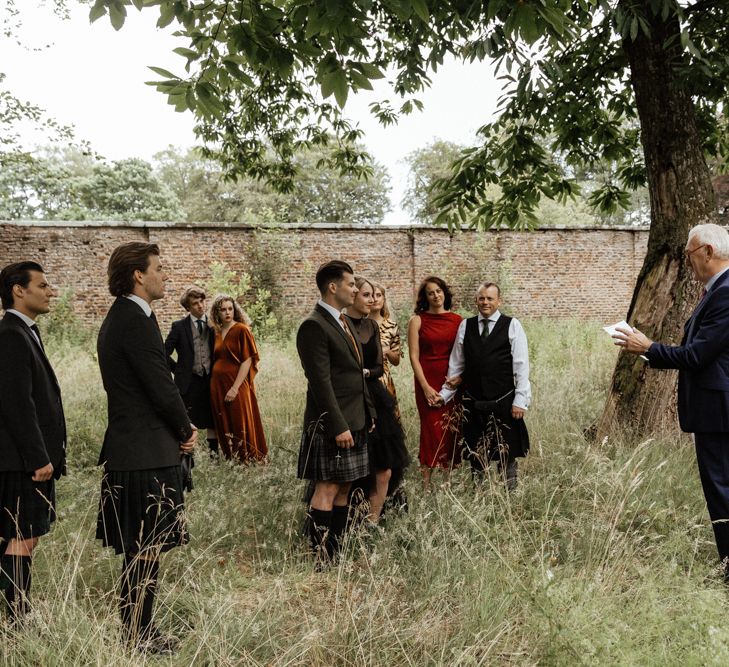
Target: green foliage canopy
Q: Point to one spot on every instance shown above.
(277, 73)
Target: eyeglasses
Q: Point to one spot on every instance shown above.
(687, 253)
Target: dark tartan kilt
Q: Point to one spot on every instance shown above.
(27, 508)
(142, 509)
(493, 434)
(197, 401)
(320, 459)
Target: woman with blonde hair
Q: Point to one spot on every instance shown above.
(386, 442)
(232, 392)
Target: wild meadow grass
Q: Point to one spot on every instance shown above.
(604, 555)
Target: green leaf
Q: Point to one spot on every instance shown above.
(139, 4)
(166, 14)
(634, 29)
(421, 9)
(190, 54)
(163, 72)
(359, 79)
(97, 11)
(117, 14)
(369, 70)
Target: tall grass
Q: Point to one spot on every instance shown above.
(604, 554)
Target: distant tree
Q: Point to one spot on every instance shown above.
(66, 184)
(320, 193)
(206, 195)
(427, 165)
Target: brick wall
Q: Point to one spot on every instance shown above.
(551, 272)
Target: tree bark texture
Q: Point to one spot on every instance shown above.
(641, 399)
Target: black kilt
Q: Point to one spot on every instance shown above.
(492, 434)
(142, 509)
(197, 401)
(387, 442)
(320, 460)
(27, 508)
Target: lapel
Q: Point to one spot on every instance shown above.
(340, 331)
(37, 351)
(187, 325)
(690, 327)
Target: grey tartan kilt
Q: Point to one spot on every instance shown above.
(320, 459)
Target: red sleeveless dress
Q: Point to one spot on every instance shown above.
(439, 427)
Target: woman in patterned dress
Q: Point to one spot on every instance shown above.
(389, 338)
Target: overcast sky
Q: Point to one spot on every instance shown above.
(93, 77)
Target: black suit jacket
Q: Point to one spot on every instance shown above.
(702, 360)
(180, 339)
(147, 418)
(32, 425)
(337, 396)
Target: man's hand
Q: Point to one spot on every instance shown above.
(439, 402)
(453, 382)
(372, 426)
(188, 446)
(517, 413)
(633, 341)
(230, 396)
(43, 474)
(345, 440)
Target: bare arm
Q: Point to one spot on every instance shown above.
(431, 394)
(240, 378)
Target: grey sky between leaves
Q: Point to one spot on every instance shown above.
(92, 77)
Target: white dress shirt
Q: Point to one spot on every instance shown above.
(519, 354)
(336, 314)
(141, 303)
(29, 322)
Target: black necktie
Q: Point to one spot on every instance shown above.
(200, 327)
(485, 332)
(36, 331)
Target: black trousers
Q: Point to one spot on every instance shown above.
(712, 455)
(197, 401)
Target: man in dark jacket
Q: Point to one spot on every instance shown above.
(141, 512)
(702, 360)
(32, 430)
(339, 412)
(193, 339)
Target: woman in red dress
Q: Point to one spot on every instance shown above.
(431, 334)
(232, 394)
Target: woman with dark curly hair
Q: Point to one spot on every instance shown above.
(431, 334)
(232, 394)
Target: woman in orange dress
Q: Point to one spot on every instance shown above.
(232, 393)
(431, 334)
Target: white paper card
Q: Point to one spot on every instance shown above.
(613, 328)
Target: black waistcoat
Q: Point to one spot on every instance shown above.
(488, 370)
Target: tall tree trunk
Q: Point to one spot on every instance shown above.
(681, 196)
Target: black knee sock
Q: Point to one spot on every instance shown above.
(340, 517)
(319, 527)
(213, 445)
(16, 580)
(138, 587)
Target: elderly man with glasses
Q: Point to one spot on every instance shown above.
(702, 360)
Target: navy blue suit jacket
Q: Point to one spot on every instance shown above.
(702, 360)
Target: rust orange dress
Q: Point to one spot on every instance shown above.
(238, 423)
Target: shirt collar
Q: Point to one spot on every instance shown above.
(141, 303)
(26, 320)
(492, 318)
(336, 314)
(711, 281)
